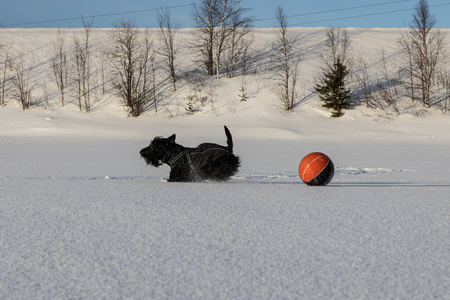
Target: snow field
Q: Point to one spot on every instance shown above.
(289, 241)
(106, 226)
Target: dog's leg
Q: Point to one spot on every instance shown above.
(179, 174)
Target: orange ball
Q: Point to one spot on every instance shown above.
(316, 169)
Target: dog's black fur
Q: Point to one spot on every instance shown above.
(206, 162)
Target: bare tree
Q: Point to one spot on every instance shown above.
(168, 30)
(443, 81)
(363, 77)
(424, 46)
(215, 20)
(406, 46)
(21, 80)
(148, 73)
(102, 57)
(6, 66)
(153, 82)
(82, 53)
(45, 96)
(207, 19)
(246, 55)
(337, 47)
(446, 79)
(240, 41)
(222, 34)
(287, 61)
(78, 66)
(387, 92)
(234, 25)
(130, 58)
(59, 65)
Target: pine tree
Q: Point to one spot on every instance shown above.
(332, 91)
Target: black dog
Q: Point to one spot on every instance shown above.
(206, 162)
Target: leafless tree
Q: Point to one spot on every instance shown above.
(286, 59)
(78, 67)
(130, 58)
(222, 34)
(234, 25)
(447, 92)
(443, 81)
(21, 80)
(168, 30)
(6, 64)
(148, 72)
(45, 96)
(102, 57)
(362, 76)
(82, 53)
(423, 46)
(386, 95)
(153, 83)
(207, 19)
(408, 70)
(337, 47)
(246, 55)
(59, 65)
(240, 41)
(215, 20)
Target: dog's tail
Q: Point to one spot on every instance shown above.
(229, 139)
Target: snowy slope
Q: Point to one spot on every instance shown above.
(82, 216)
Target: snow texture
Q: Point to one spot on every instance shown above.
(83, 217)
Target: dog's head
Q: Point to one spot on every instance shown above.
(156, 152)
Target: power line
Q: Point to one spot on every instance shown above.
(337, 10)
(364, 15)
(187, 5)
(95, 16)
(257, 20)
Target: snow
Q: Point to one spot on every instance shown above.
(82, 216)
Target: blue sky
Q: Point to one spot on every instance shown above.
(343, 13)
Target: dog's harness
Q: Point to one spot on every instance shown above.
(173, 160)
(188, 155)
(189, 160)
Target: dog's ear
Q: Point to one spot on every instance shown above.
(171, 139)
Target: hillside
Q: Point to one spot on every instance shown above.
(35, 46)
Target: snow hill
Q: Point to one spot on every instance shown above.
(82, 216)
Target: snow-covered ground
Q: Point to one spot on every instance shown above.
(82, 216)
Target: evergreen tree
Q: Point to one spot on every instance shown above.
(332, 91)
